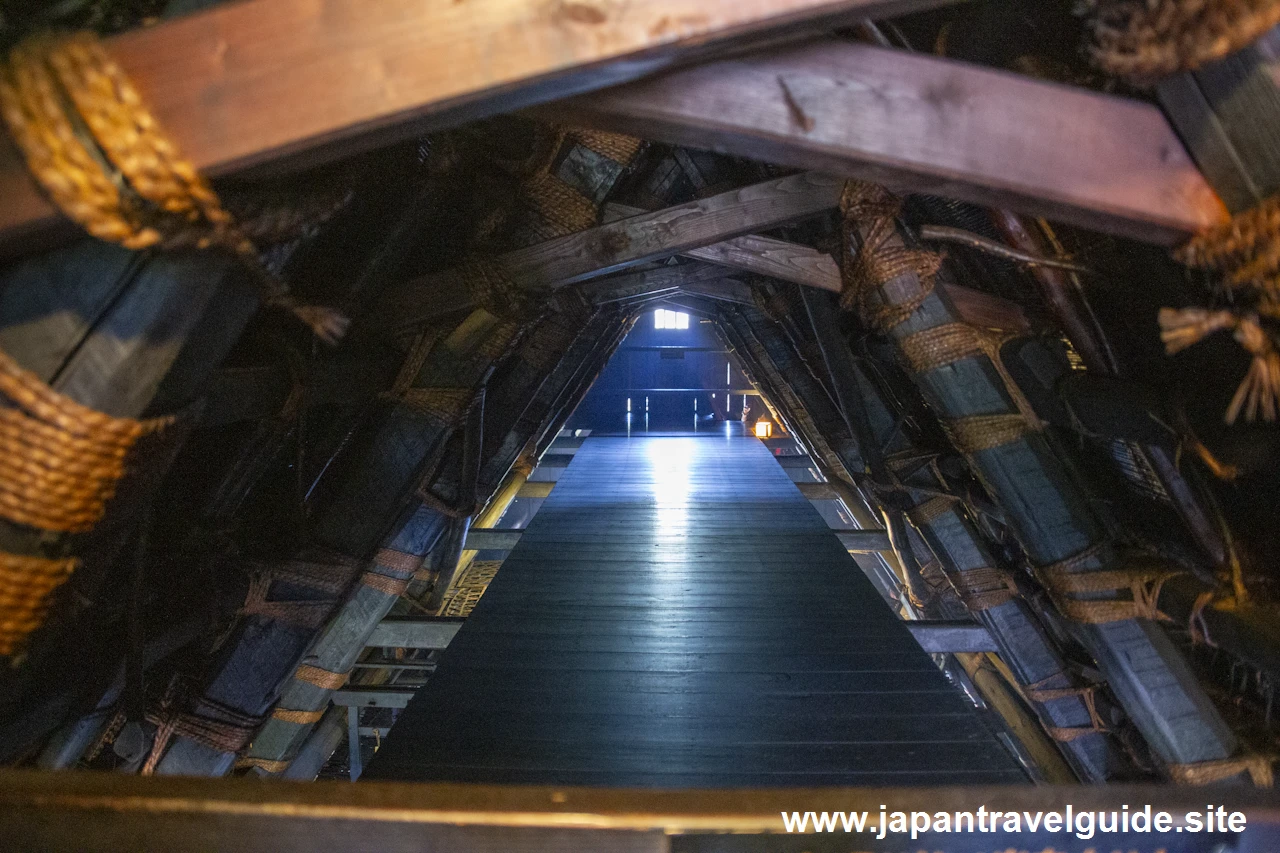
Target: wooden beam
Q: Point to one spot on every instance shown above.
(802, 264)
(373, 697)
(640, 284)
(923, 124)
(251, 83)
(623, 244)
(762, 255)
(626, 243)
(1055, 519)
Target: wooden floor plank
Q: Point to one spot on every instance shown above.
(678, 613)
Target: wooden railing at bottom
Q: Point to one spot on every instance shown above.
(111, 812)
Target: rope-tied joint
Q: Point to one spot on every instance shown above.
(60, 466)
(876, 258)
(949, 343)
(1039, 692)
(1078, 592)
(983, 588)
(104, 161)
(331, 578)
(214, 724)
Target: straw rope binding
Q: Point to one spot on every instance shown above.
(1144, 40)
(1038, 692)
(27, 585)
(90, 142)
(60, 465)
(302, 718)
(217, 726)
(385, 584)
(321, 677)
(1068, 580)
(983, 588)
(875, 263)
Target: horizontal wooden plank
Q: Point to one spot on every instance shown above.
(373, 697)
(952, 637)
(397, 632)
(480, 539)
(630, 242)
(923, 124)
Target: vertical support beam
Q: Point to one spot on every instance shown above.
(354, 766)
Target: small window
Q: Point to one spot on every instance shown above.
(664, 319)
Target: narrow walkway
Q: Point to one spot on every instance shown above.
(678, 615)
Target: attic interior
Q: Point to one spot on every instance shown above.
(605, 426)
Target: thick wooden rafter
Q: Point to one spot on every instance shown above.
(258, 82)
(924, 124)
(761, 255)
(630, 242)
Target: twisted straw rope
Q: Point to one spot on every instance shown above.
(27, 585)
(1069, 578)
(876, 263)
(59, 461)
(1144, 40)
(104, 161)
(37, 80)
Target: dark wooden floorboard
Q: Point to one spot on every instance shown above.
(678, 615)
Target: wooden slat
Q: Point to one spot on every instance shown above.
(373, 697)
(480, 538)
(924, 124)
(250, 83)
(952, 637)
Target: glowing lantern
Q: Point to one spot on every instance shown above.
(764, 429)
